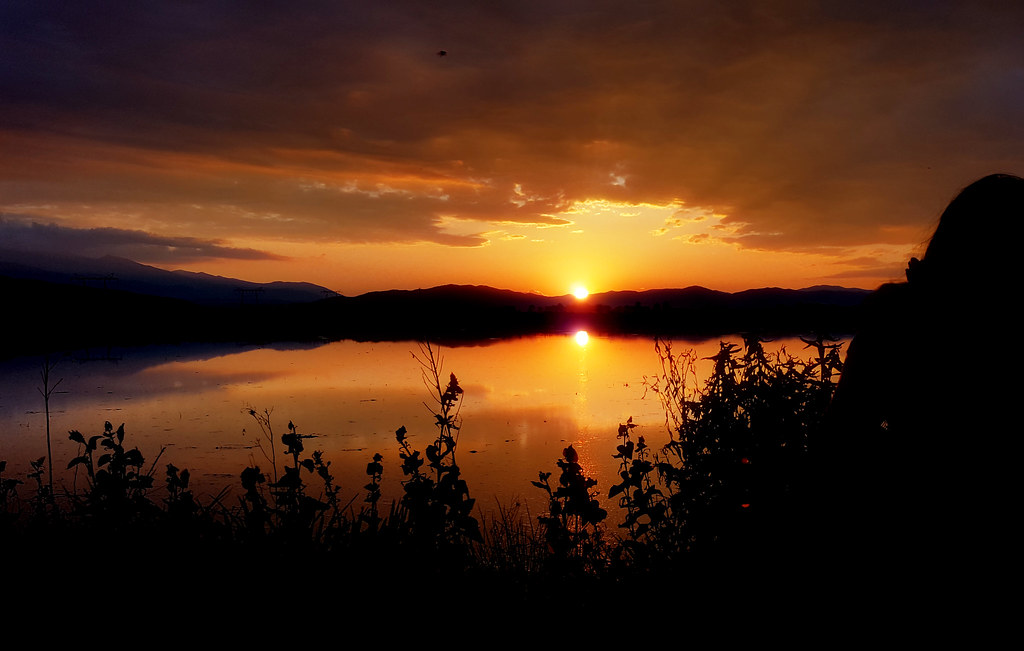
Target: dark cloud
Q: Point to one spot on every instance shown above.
(19, 234)
(809, 124)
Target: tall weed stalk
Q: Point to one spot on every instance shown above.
(436, 508)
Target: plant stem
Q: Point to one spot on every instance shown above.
(46, 390)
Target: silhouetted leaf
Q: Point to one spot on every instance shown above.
(571, 455)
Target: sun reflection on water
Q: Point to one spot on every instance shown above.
(526, 400)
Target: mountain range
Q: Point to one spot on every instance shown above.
(69, 301)
(111, 272)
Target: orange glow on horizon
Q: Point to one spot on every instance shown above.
(367, 163)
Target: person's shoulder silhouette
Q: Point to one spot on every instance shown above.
(917, 434)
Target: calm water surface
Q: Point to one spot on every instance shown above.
(525, 400)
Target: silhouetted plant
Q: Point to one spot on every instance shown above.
(37, 475)
(826, 364)
(289, 491)
(329, 520)
(571, 527)
(46, 391)
(117, 482)
(8, 496)
(639, 495)
(512, 547)
(187, 521)
(737, 443)
(369, 514)
(179, 500)
(322, 469)
(265, 442)
(436, 503)
(256, 512)
(290, 511)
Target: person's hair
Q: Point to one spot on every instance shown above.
(978, 234)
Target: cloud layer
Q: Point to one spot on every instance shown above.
(23, 235)
(811, 126)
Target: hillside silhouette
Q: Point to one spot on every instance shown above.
(469, 311)
(71, 306)
(112, 272)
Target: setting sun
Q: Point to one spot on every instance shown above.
(580, 292)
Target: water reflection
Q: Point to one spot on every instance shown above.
(525, 400)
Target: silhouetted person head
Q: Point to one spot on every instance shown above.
(977, 240)
(919, 454)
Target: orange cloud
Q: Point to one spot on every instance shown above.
(804, 129)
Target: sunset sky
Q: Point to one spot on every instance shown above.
(617, 145)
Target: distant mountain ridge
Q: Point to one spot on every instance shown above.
(473, 311)
(688, 297)
(111, 272)
(64, 302)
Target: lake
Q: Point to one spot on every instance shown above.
(525, 400)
